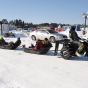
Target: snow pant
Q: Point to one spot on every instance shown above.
(80, 47)
(56, 47)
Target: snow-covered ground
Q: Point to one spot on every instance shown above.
(24, 70)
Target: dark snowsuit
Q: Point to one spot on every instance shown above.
(16, 44)
(3, 42)
(74, 36)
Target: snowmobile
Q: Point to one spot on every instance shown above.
(69, 48)
(39, 51)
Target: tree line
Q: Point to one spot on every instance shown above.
(20, 23)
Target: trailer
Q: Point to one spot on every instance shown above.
(4, 28)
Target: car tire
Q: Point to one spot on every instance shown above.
(52, 39)
(33, 37)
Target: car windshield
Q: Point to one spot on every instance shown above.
(52, 31)
(66, 27)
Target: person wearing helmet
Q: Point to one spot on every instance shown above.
(2, 41)
(75, 39)
(73, 35)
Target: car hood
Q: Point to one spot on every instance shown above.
(58, 34)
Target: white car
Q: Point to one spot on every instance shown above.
(52, 35)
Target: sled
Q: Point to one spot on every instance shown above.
(9, 35)
(11, 47)
(40, 51)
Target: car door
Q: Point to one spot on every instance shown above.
(39, 34)
(45, 34)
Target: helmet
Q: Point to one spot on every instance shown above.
(1, 37)
(72, 28)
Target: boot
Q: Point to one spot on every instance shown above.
(79, 52)
(23, 46)
(55, 53)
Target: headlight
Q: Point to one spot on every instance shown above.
(64, 36)
(59, 37)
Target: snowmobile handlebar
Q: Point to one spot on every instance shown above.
(63, 41)
(83, 40)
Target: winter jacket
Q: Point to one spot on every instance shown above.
(38, 45)
(73, 35)
(3, 42)
(18, 42)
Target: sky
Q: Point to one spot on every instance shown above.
(19, 69)
(44, 11)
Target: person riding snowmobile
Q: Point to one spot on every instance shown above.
(75, 39)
